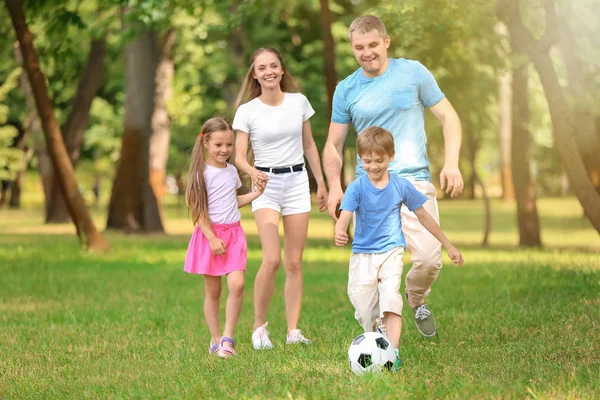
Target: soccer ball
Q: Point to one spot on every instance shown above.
(371, 352)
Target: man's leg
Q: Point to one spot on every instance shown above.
(426, 255)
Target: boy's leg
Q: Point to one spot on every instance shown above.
(390, 299)
(362, 290)
(426, 256)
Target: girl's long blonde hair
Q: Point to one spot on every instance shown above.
(251, 88)
(196, 196)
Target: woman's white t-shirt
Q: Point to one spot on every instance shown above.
(275, 131)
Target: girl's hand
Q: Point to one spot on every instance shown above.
(259, 179)
(217, 246)
(322, 197)
(455, 256)
(340, 238)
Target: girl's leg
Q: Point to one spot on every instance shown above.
(235, 283)
(393, 324)
(267, 222)
(295, 232)
(212, 297)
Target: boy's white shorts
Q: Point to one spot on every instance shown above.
(288, 193)
(374, 285)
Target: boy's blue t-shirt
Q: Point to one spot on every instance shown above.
(378, 224)
(396, 101)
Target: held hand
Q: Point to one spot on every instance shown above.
(340, 239)
(455, 256)
(333, 201)
(259, 179)
(453, 178)
(322, 197)
(217, 246)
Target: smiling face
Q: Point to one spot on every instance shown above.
(219, 146)
(370, 50)
(268, 70)
(376, 164)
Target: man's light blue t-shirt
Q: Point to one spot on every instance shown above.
(378, 224)
(396, 101)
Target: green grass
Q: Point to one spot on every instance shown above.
(513, 323)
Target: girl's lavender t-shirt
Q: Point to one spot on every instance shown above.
(221, 186)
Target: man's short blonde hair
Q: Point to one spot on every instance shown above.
(366, 24)
(375, 140)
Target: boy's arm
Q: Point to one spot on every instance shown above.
(341, 227)
(432, 226)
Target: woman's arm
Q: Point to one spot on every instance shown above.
(259, 178)
(312, 155)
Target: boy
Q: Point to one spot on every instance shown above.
(376, 262)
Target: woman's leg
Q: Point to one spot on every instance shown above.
(267, 222)
(235, 284)
(212, 297)
(295, 229)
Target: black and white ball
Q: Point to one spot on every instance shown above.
(371, 352)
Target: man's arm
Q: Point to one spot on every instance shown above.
(452, 139)
(333, 156)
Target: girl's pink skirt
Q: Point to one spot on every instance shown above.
(201, 260)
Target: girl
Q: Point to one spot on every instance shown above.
(218, 245)
(276, 122)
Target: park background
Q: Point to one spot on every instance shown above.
(93, 300)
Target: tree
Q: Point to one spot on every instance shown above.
(563, 128)
(133, 205)
(78, 211)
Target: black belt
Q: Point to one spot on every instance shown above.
(282, 170)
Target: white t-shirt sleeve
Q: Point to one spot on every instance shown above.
(308, 110)
(240, 120)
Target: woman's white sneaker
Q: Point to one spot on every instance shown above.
(295, 336)
(260, 338)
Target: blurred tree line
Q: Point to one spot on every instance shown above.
(131, 82)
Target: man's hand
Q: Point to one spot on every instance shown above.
(334, 200)
(453, 178)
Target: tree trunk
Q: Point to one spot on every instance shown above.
(487, 226)
(86, 229)
(76, 123)
(504, 136)
(161, 133)
(582, 105)
(527, 215)
(538, 52)
(133, 206)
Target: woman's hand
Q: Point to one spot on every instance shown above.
(322, 196)
(259, 180)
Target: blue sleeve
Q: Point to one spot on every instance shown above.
(429, 91)
(412, 198)
(340, 113)
(351, 199)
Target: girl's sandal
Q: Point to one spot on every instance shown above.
(213, 349)
(225, 351)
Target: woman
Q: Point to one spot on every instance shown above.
(276, 122)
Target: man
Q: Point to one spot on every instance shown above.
(393, 94)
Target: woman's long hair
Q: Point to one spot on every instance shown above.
(251, 88)
(196, 196)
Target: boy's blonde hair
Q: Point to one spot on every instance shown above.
(375, 140)
(366, 24)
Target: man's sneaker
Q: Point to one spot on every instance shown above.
(425, 321)
(295, 336)
(260, 338)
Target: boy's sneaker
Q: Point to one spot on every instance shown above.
(425, 321)
(295, 336)
(380, 327)
(397, 363)
(260, 338)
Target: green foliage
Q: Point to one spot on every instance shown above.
(11, 159)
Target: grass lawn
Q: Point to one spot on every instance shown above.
(513, 323)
